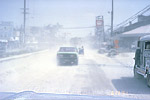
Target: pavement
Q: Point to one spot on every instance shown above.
(96, 74)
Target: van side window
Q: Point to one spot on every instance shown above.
(138, 44)
(147, 45)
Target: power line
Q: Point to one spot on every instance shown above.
(78, 27)
(135, 16)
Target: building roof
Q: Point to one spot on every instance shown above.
(140, 31)
(145, 38)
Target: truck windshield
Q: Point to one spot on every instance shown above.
(147, 45)
(67, 49)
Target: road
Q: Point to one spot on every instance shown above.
(96, 74)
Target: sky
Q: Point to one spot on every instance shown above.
(69, 13)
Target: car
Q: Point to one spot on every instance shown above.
(102, 50)
(112, 52)
(3, 47)
(67, 55)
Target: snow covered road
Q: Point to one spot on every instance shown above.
(96, 74)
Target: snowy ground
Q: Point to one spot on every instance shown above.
(96, 74)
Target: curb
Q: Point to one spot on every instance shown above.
(21, 55)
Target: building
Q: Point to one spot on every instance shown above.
(129, 35)
(129, 38)
(6, 30)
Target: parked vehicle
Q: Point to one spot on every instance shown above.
(3, 47)
(102, 50)
(142, 58)
(112, 52)
(81, 50)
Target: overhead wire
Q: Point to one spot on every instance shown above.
(135, 16)
(78, 27)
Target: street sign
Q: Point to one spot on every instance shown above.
(116, 42)
(99, 21)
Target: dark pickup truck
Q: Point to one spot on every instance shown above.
(67, 55)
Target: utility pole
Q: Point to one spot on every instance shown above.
(112, 17)
(24, 26)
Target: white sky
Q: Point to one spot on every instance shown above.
(69, 13)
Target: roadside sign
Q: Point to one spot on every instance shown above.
(116, 42)
(99, 21)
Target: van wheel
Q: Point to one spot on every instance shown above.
(136, 75)
(148, 80)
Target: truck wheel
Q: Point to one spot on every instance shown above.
(136, 75)
(148, 80)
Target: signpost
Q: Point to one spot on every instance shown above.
(99, 31)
